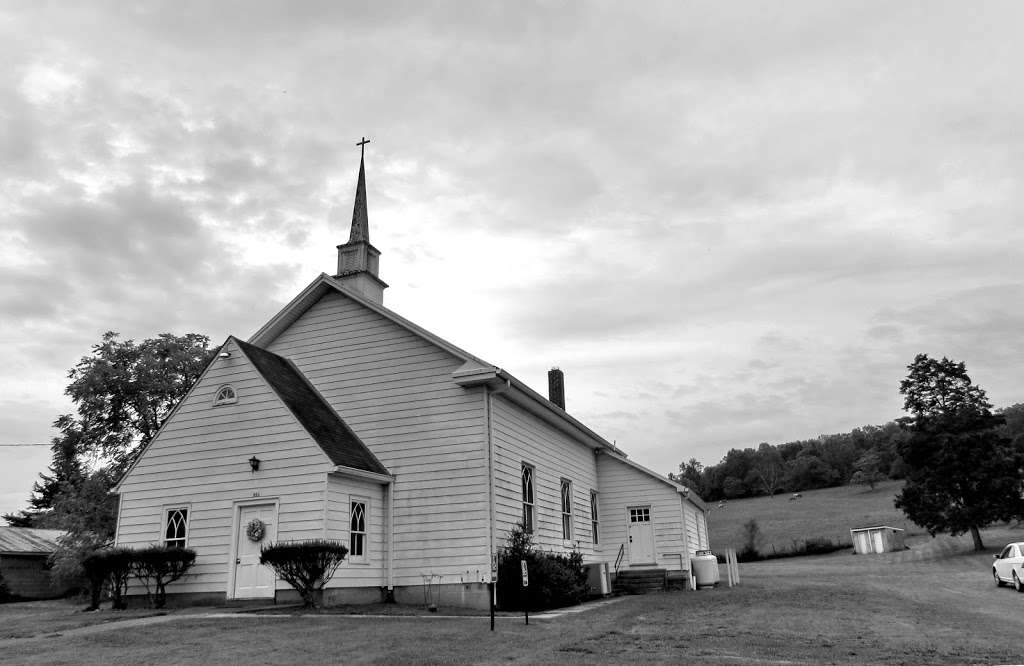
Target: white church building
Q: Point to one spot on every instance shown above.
(339, 419)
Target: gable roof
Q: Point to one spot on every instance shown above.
(28, 541)
(474, 371)
(313, 412)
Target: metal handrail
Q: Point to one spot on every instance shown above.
(618, 560)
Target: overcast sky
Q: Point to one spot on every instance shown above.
(726, 222)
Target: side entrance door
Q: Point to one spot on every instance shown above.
(252, 579)
(641, 536)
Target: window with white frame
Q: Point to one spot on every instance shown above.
(176, 527)
(566, 510)
(357, 531)
(593, 515)
(528, 497)
(225, 396)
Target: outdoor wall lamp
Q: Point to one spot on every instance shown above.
(254, 462)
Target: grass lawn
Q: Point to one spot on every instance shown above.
(933, 604)
(830, 513)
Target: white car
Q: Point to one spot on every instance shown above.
(1008, 566)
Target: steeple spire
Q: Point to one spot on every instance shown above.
(358, 261)
(360, 220)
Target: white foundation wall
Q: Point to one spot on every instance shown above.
(395, 390)
(200, 460)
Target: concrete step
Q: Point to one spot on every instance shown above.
(640, 581)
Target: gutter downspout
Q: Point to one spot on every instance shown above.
(492, 551)
(489, 433)
(390, 492)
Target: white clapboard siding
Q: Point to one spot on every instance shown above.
(341, 491)
(623, 486)
(200, 460)
(519, 438)
(692, 532)
(395, 390)
(702, 530)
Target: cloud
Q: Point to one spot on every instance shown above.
(734, 223)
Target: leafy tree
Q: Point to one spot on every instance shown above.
(87, 513)
(808, 471)
(123, 391)
(691, 475)
(868, 470)
(963, 474)
(1013, 427)
(768, 470)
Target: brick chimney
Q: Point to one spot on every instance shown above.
(556, 387)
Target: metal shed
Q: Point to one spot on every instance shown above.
(23, 553)
(878, 539)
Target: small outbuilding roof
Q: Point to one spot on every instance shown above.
(28, 541)
(876, 527)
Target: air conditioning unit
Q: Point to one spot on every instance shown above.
(599, 583)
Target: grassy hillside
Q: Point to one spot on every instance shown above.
(828, 513)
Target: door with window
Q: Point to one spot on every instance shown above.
(641, 536)
(252, 579)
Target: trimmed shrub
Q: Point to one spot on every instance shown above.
(108, 568)
(158, 566)
(556, 579)
(305, 565)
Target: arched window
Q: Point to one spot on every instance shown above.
(225, 396)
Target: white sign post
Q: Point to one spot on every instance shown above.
(526, 584)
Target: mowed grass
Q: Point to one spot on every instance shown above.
(933, 604)
(828, 513)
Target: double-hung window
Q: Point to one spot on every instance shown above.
(593, 515)
(176, 527)
(566, 510)
(357, 531)
(528, 498)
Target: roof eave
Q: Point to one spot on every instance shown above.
(354, 472)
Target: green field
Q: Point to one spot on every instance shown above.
(828, 513)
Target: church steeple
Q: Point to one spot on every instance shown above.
(358, 261)
(360, 221)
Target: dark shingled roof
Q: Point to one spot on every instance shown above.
(333, 435)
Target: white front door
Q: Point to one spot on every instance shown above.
(641, 536)
(252, 579)
(877, 542)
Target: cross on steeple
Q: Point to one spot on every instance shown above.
(362, 146)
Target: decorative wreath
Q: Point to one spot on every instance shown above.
(255, 530)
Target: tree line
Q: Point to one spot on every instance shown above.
(865, 455)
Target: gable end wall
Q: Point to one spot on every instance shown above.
(200, 460)
(395, 390)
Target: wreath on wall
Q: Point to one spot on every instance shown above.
(255, 530)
